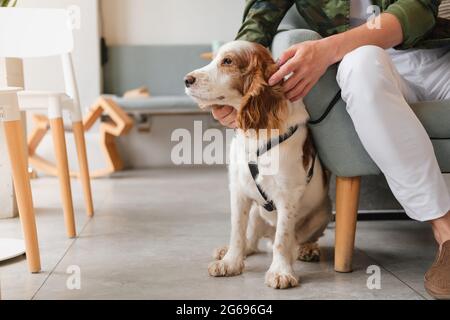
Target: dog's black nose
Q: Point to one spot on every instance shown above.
(189, 81)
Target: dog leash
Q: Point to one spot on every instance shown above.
(333, 102)
(254, 169)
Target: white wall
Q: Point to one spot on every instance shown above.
(46, 74)
(139, 22)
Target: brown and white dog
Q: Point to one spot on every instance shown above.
(298, 190)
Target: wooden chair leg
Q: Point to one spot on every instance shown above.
(78, 131)
(16, 149)
(59, 140)
(347, 200)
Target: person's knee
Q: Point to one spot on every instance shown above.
(362, 64)
(284, 40)
(360, 77)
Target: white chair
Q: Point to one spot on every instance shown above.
(10, 116)
(34, 33)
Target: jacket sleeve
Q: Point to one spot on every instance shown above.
(417, 17)
(261, 20)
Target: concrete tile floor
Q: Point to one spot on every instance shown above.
(153, 235)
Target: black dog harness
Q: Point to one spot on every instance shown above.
(254, 169)
(253, 166)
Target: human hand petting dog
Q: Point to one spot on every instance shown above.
(305, 62)
(226, 115)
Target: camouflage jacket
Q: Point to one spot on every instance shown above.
(422, 28)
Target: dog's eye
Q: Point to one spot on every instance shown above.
(227, 62)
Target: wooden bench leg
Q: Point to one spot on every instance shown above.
(347, 201)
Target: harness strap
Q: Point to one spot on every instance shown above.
(254, 169)
(276, 141)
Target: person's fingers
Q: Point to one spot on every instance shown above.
(229, 119)
(297, 90)
(288, 54)
(221, 112)
(226, 116)
(295, 99)
(284, 71)
(232, 125)
(306, 90)
(292, 82)
(215, 112)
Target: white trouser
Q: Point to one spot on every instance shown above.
(377, 86)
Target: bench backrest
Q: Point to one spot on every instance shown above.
(159, 67)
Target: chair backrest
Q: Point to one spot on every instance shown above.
(35, 33)
(28, 33)
(293, 20)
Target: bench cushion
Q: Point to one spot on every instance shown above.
(435, 117)
(159, 104)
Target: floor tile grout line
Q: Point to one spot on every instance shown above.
(392, 273)
(57, 263)
(67, 250)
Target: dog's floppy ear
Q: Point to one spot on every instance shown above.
(262, 104)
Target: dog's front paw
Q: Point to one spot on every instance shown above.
(281, 280)
(309, 252)
(219, 253)
(225, 268)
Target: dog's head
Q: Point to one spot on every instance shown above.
(238, 77)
